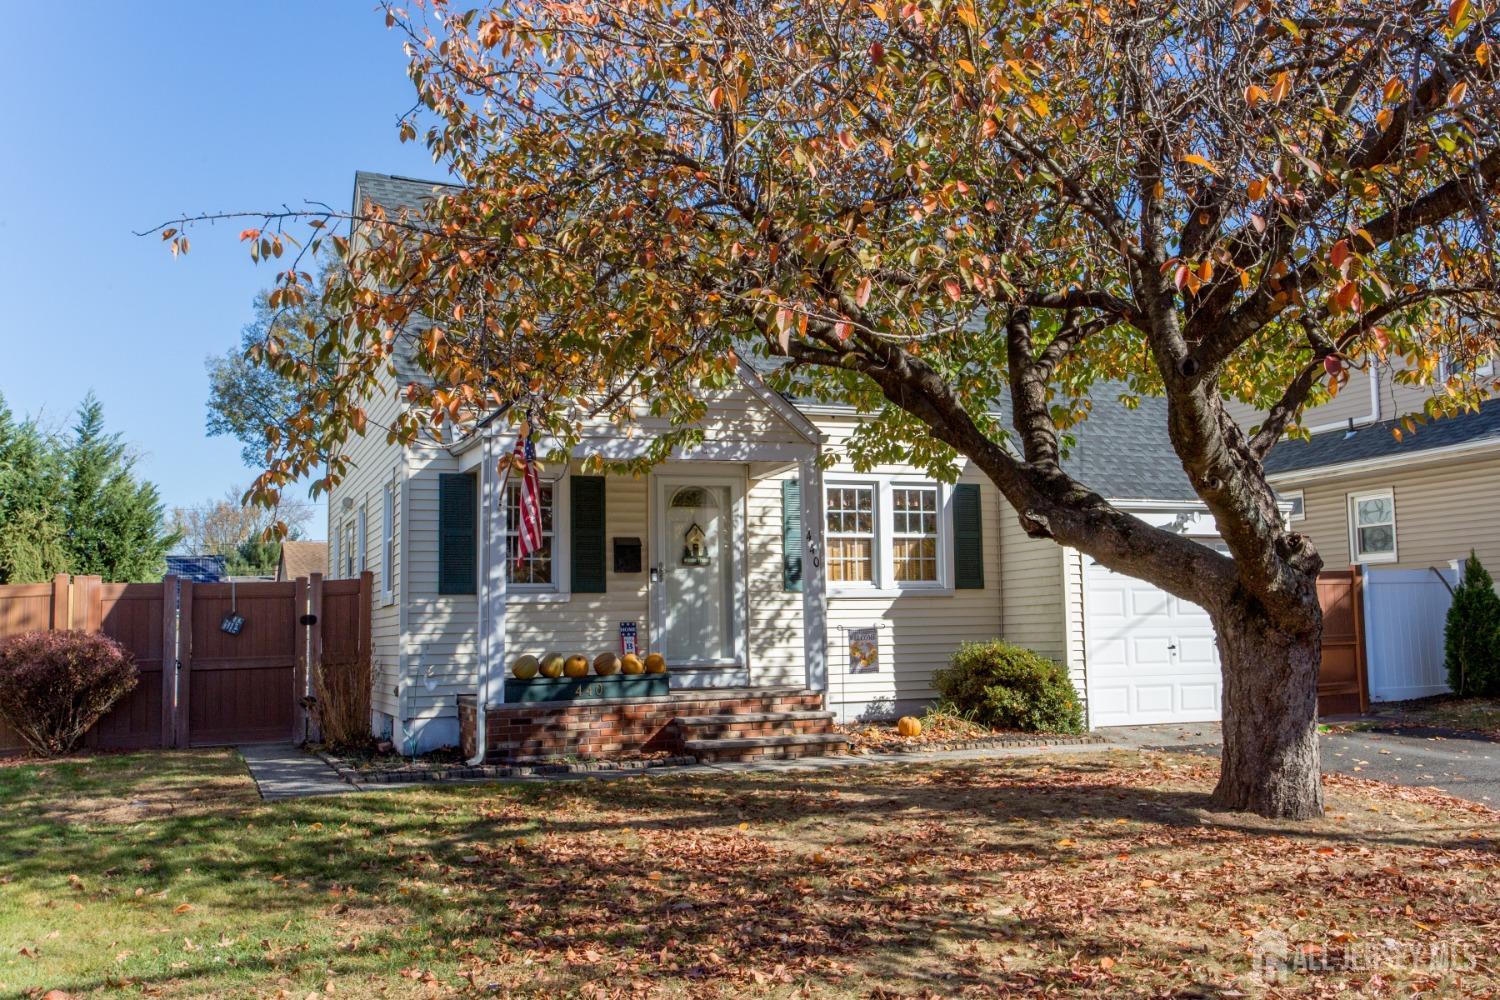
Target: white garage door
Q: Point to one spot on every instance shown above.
(1151, 657)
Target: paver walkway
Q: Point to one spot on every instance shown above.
(284, 771)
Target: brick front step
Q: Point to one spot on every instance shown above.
(782, 747)
(603, 728)
(701, 727)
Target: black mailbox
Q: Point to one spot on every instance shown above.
(627, 555)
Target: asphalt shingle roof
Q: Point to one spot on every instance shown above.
(1126, 454)
(1376, 441)
(394, 192)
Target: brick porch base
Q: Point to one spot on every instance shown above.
(595, 728)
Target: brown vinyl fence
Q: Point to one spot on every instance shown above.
(201, 682)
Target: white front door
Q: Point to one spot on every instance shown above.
(1151, 657)
(699, 533)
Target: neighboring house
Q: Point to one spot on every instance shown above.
(299, 559)
(787, 560)
(198, 569)
(1365, 496)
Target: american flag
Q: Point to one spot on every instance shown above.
(529, 528)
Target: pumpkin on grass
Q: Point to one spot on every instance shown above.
(631, 664)
(656, 663)
(525, 667)
(606, 664)
(909, 726)
(552, 665)
(576, 665)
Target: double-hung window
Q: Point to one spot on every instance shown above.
(850, 531)
(1372, 526)
(914, 534)
(538, 570)
(886, 535)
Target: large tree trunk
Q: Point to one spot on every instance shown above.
(1270, 758)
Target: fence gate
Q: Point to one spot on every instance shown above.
(243, 650)
(1341, 674)
(219, 663)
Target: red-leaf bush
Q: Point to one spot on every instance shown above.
(54, 686)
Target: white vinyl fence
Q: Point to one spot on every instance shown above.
(1405, 610)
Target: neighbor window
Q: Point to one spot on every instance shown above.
(1452, 363)
(914, 534)
(850, 515)
(536, 570)
(387, 541)
(1372, 526)
(362, 544)
(349, 550)
(1296, 509)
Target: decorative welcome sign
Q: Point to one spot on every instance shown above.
(864, 650)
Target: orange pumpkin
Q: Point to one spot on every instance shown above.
(606, 664)
(631, 664)
(656, 663)
(552, 665)
(576, 666)
(909, 726)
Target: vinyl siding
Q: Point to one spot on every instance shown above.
(1442, 510)
(374, 464)
(917, 633)
(1397, 399)
(443, 630)
(1032, 596)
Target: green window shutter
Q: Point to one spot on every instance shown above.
(968, 538)
(458, 548)
(587, 525)
(791, 534)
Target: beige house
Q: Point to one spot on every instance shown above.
(1366, 496)
(758, 558)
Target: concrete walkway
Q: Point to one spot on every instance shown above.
(285, 771)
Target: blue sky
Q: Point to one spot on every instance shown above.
(124, 115)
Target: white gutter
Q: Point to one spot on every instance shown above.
(1404, 459)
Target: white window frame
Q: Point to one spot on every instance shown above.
(883, 569)
(362, 538)
(875, 547)
(346, 568)
(388, 542)
(1353, 499)
(888, 524)
(1294, 514)
(1447, 369)
(562, 582)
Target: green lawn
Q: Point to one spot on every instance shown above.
(1077, 875)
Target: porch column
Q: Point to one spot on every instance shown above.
(814, 591)
(491, 578)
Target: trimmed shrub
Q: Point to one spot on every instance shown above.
(1007, 687)
(1471, 639)
(54, 686)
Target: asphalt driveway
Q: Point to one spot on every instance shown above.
(1459, 764)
